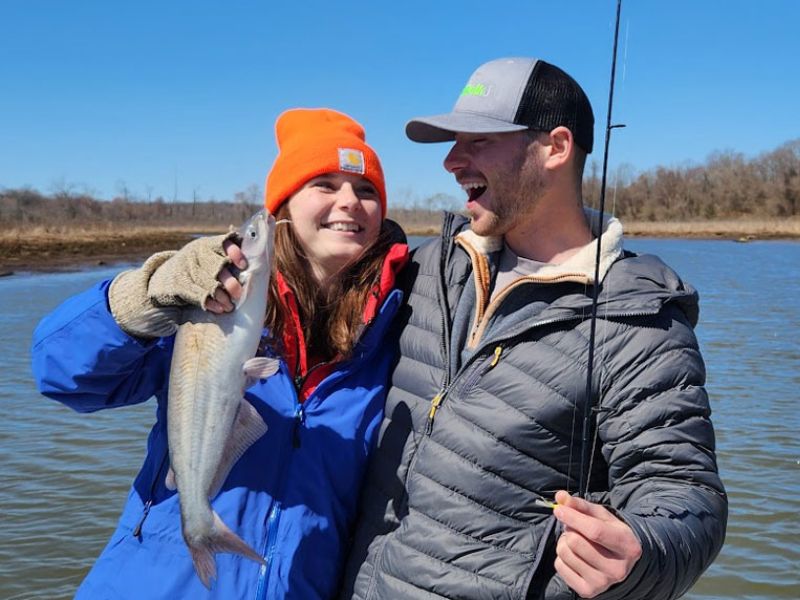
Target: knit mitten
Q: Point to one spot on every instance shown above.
(147, 302)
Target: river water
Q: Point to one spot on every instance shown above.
(65, 476)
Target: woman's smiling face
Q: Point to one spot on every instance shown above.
(335, 216)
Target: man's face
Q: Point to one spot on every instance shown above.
(503, 177)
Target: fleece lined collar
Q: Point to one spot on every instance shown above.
(580, 266)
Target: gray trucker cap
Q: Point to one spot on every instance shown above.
(512, 94)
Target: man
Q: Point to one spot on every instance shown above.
(483, 419)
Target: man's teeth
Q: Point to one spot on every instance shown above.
(343, 227)
(473, 190)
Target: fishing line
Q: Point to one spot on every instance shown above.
(625, 53)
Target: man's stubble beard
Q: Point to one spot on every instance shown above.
(515, 194)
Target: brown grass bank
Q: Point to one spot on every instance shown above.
(733, 229)
(57, 249)
(41, 248)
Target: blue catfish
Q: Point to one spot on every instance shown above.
(210, 424)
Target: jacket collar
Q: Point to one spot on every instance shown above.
(641, 284)
(580, 266)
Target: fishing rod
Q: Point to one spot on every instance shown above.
(587, 447)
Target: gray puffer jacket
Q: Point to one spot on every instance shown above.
(484, 417)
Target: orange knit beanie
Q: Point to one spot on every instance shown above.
(313, 141)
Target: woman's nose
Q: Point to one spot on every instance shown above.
(347, 197)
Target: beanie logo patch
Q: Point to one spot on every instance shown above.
(351, 161)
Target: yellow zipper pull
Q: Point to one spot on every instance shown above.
(497, 352)
(437, 400)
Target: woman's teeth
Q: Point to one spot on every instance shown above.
(343, 227)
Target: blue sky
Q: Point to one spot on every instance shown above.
(155, 96)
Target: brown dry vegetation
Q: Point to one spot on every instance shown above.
(58, 248)
(744, 229)
(727, 197)
(40, 249)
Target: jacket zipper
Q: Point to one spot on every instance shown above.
(444, 342)
(447, 384)
(137, 531)
(299, 380)
(273, 518)
(437, 400)
(299, 421)
(269, 549)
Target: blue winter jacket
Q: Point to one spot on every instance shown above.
(293, 494)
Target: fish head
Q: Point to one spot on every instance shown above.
(257, 235)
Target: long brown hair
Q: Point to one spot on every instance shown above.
(331, 319)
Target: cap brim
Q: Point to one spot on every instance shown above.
(443, 128)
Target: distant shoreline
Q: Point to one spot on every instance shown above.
(41, 250)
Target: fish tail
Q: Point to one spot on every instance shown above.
(204, 564)
(227, 541)
(222, 539)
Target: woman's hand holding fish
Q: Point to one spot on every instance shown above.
(148, 302)
(231, 290)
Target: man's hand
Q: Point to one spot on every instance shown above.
(596, 549)
(231, 289)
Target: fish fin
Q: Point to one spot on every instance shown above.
(226, 540)
(247, 428)
(204, 564)
(170, 480)
(260, 367)
(221, 540)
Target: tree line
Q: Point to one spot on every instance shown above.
(27, 207)
(728, 185)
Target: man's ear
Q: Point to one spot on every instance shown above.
(561, 148)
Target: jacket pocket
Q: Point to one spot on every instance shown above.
(543, 567)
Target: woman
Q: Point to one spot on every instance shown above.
(292, 495)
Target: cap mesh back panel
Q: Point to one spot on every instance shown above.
(551, 99)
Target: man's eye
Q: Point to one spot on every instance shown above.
(326, 185)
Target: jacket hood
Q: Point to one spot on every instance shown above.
(643, 282)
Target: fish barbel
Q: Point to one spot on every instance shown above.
(210, 424)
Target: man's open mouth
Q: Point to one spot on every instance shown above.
(473, 190)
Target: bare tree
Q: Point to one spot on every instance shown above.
(123, 191)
